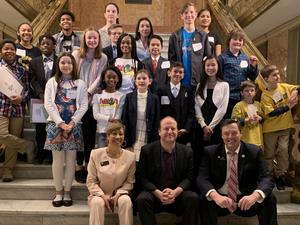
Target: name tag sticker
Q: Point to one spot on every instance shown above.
(21, 52)
(165, 100)
(211, 39)
(104, 163)
(165, 65)
(71, 94)
(244, 64)
(197, 47)
(277, 97)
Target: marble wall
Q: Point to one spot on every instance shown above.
(164, 14)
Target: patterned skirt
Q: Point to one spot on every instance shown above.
(58, 141)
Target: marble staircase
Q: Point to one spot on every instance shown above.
(27, 201)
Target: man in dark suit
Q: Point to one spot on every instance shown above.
(165, 173)
(156, 64)
(233, 178)
(114, 32)
(177, 101)
(41, 69)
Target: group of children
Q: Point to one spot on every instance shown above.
(85, 87)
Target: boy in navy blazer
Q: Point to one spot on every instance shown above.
(156, 64)
(114, 32)
(177, 101)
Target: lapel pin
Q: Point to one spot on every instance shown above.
(243, 156)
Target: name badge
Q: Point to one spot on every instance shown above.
(197, 47)
(165, 100)
(71, 94)
(104, 163)
(211, 39)
(165, 65)
(244, 64)
(277, 97)
(21, 52)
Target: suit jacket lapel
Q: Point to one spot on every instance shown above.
(222, 162)
(241, 161)
(150, 66)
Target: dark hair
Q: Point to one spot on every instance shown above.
(48, 36)
(176, 64)
(133, 46)
(84, 48)
(7, 41)
(235, 34)
(18, 30)
(67, 12)
(247, 83)
(204, 76)
(230, 121)
(143, 71)
(58, 74)
(114, 26)
(155, 36)
(117, 7)
(137, 33)
(102, 79)
(267, 70)
(201, 11)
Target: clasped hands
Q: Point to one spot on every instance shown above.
(110, 201)
(244, 203)
(168, 195)
(67, 128)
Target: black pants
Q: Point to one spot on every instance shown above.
(40, 138)
(265, 211)
(186, 204)
(89, 125)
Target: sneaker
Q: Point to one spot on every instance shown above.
(279, 181)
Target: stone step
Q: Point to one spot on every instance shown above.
(37, 189)
(41, 212)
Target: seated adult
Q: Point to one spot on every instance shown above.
(110, 178)
(233, 178)
(165, 173)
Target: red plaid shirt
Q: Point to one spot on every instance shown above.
(6, 107)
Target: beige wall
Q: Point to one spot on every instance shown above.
(164, 14)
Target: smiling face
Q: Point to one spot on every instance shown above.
(168, 130)
(211, 67)
(65, 65)
(235, 44)
(176, 74)
(273, 79)
(142, 82)
(111, 14)
(92, 39)
(25, 33)
(47, 47)
(189, 15)
(231, 136)
(155, 47)
(66, 22)
(115, 34)
(116, 137)
(111, 79)
(126, 45)
(8, 53)
(205, 19)
(144, 28)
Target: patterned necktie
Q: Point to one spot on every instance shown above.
(115, 53)
(47, 68)
(154, 61)
(232, 181)
(175, 91)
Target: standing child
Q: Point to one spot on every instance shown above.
(108, 105)
(177, 101)
(66, 101)
(91, 62)
(249, 113)
(189, 46)
(12, 111)
(276, 102)
(156, 64)
(141, 114)
(114, 32)
(127, 62)
(236, 67)
(211, 102)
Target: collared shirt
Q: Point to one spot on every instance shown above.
(168, 164)
(60, 37)
(236, 69)
(177, 86)
(6, 107)
(48, 65)
(115, 51)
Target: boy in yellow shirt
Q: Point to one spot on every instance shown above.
(277, 101)
(249, 113)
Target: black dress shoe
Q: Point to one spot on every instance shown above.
(80, 176)
(58, 203)
(68, 203)
(280, 184)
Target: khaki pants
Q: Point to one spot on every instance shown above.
(97, 210)
(10, 132)
(276, 151)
